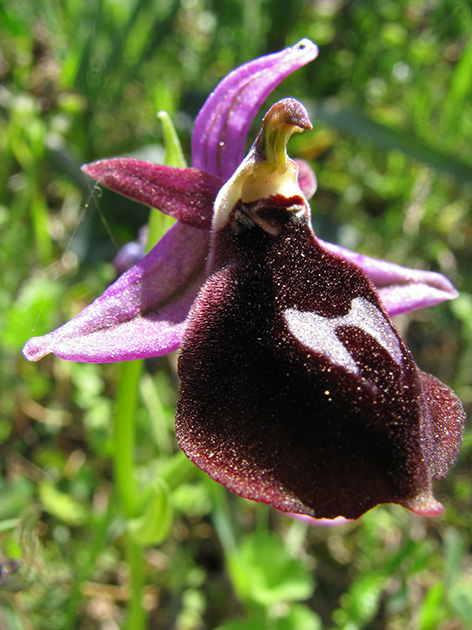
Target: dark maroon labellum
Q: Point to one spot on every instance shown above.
(296, 388)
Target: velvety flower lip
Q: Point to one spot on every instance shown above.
(296, 389)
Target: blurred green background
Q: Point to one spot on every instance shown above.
(391, 102)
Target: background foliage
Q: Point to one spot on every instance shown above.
(390, 97)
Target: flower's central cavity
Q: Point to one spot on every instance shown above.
(267, 170)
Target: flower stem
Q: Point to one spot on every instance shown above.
(125, 432)
(125, 414)
(127, 484)
(136, 619)
(124, 461)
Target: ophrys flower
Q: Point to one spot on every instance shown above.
(296, 388)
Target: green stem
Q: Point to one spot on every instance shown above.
(125, 414)
(124, 461)
(126, 405)
(127, 485)
(136, 619)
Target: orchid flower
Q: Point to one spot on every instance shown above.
(296, 388)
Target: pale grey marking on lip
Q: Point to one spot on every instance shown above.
(319, 333)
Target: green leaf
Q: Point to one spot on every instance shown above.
(264, 572)
(174, 153)
(431, 611)
(299, 617)
(296, 617)
(361, 603)
(16, 494)
(62, 505)
(154, 524)
(11, 523)
(460, 600)
(241, 624)
(454, 551)
(459, 91)
(462, 309)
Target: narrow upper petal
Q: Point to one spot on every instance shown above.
(142, 314)
(401, 289)
(221, 127)
(186, 194)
